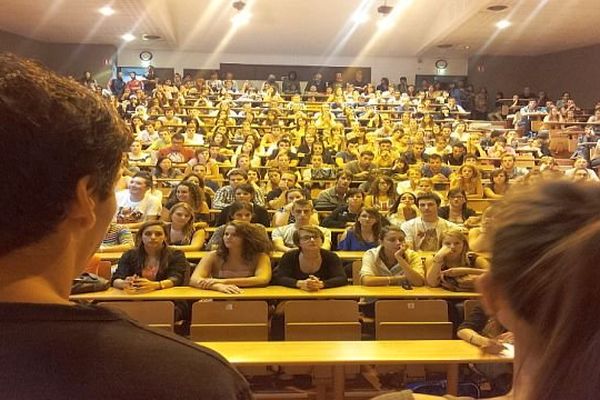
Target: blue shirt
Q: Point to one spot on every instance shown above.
(352, 243)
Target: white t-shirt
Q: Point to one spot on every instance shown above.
(129, 211)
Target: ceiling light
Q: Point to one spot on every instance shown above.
(241, 18)
(384, 23)
(107, 11)
(360, 17)
(128, 37)
(502, 24)
(149, 36)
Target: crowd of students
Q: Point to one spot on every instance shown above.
(358, 158)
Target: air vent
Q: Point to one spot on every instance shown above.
(147, 36)
(444, 46)
(497, 8)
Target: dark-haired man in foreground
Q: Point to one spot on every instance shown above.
(62, 149)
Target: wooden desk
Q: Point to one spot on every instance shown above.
(339, 354)
(281, 292)
(197, 255)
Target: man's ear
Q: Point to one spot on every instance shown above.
(83, 207)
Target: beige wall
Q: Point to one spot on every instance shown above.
(68, 59)
(575, 71)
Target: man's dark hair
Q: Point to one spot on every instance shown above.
(237, 171)
(429, 196)
(246, 187)
(367, 153)
(178, 136)
(55, 132)
(435, 156)
(343, 173)
(145, 176)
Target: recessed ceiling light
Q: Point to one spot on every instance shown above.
(360, 17)
(385, 23)
(107, 11)
(149, 36)
(502, 24)
(467, 47)
(241, 18)
(497, 8)
(128, 37)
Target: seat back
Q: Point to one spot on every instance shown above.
(469, 305)
(322, 320)
(356, 266)
(479, 205)
(412, 320)
(230, 321)
(155, 314)
(104, 269)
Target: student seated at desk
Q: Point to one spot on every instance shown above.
(487, 333)
(468, 179)
(451, 260)
(190, 193)
(284, 215)
(498, 185)
(480, 238)
(241, 211)
(246, 193)
(392, 262)
(240, 260)
(283, 236)
(181, 233)
(404, 209)
(152, 265)
(118, 239)
(346, 214)
(457, 210)
(309, 267)
(364, 234)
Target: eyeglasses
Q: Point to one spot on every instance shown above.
(306, 238)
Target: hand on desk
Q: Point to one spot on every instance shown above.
(216, 284)
(493, 346)
(137, 285)
(226, 288)
(312, 284)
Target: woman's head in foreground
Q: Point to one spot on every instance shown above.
(544, 281)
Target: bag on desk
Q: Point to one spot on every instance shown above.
(463, 283)
(88, 282)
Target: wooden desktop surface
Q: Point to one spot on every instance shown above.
(197, 255)
(352, 352)
(340, 353)
(280, 292)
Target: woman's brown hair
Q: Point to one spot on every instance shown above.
(255, 241)
(545, 255)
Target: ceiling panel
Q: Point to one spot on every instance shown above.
(310, 27)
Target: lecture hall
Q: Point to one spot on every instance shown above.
(345, 199)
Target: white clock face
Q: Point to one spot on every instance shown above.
(146, 56)
(441, 64)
